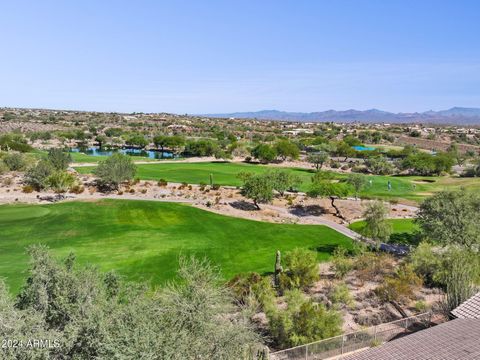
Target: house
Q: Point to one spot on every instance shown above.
(469, 309)
(454, 340)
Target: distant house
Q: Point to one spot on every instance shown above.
(295, 132)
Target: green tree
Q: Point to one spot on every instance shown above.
(318, 159)
(160, 141)
(259, 188)
(287, 149)
(115, 170)
(101, 140)
(200, 148)
(264, 153)
(59, 159)
(424, 164)
(345, 150)
(283, 180)
(323, 185)
(451, 218)
(376, 225)
(175, 142)
(379, 165)
(136, 139)
(358, 182)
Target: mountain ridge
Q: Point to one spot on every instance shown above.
(455, 115)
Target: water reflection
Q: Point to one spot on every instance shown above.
(97, 151)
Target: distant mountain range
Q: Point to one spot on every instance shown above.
(455, 116)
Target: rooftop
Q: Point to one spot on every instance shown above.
(456, 340)
(470, 309)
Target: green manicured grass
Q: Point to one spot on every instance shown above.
(398, 226)
(79, 157)
(144, 239)
(404, 231)
(403, 187)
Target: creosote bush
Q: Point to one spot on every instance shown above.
(300, 269)
(302, 321)
(401, 286)
(115, 170)
(341, 263)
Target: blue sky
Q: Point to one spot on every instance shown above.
(224, 56)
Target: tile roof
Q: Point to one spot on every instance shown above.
(470, 309)
(456, 340)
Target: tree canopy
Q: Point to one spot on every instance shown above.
(451, 217)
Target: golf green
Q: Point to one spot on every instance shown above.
(143, 240)
(414, 188)
(407, 226)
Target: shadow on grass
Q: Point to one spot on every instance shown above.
(405, 238)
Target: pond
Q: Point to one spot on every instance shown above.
(97, 151)
(363, 148)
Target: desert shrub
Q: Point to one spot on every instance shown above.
(341, 263)
(143, 191)
(115, 170)
(340, 295)
(370, 265)
(335, 164)
(400, 286)
(300, 269)
(253, 289)
(15, 142)
(60, 181)
(241, 286)
(27, 189)
(215, 187)
(7, 181)
(302, 321)
(426, 262)
(162, 183)
(59, 159)
(421, 306)
(458, 275)
(77, 189)
(95, 316)
(36, 176)
(3, 168)
(15, 161)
